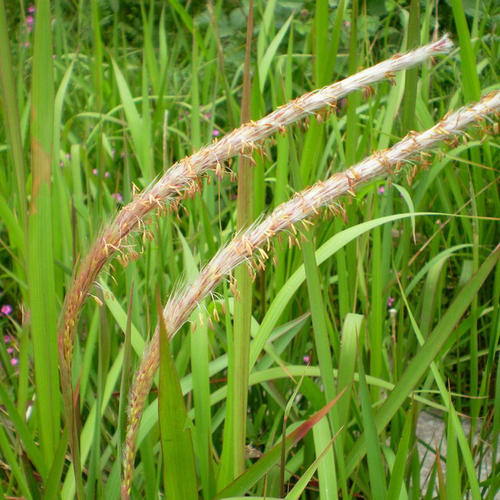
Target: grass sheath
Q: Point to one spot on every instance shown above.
(251, 246)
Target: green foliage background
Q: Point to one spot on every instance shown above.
(116, 92)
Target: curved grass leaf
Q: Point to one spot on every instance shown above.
(244, 482)
(179, 471)
(426, 355)
(328, 249)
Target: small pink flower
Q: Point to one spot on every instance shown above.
(390, 301)
(30, 20)
(106, 174)
(208, 116)
(6, 309)
(118, 197)
(6, 338)
(26, 44)
(215, 133)
(306, 359)
(95, 171)
(381, 190)
(10, 350)
(61, 163)
(31, 9)
(68, 156)
(14, 361)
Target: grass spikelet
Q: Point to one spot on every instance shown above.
(182, 179)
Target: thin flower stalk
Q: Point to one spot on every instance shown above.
(184, 177)
(252, 245)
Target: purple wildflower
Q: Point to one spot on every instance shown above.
(118, 197)
(95, 171)
(306, 359)
(381, 190)
(10, 350)
(215, 133)
(6, 338)
(14, 361)
(6, 309)
(31, 9)
(390, 301)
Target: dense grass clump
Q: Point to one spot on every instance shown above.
(340, 277)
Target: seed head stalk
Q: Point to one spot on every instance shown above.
(184, 177)
(250, 246)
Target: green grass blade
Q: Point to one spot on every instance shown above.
(328, 482)
(472, 88)
(303, 482)
(141, 139)
(24, 433)
(351, 332)
(179, 471)
(328, 249)
(243, 306)
(14, 228)
(187, 20)
(202, 411)
(268, 57)
(375, 461)
(326, 468)
(452, 464)
(200, 376)
(411, 74)
(42, 286)
(54, 479)
(11, 459)
(396, 485)
(244, 482)
(11, 113)
(427, 353)
(454, 421)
